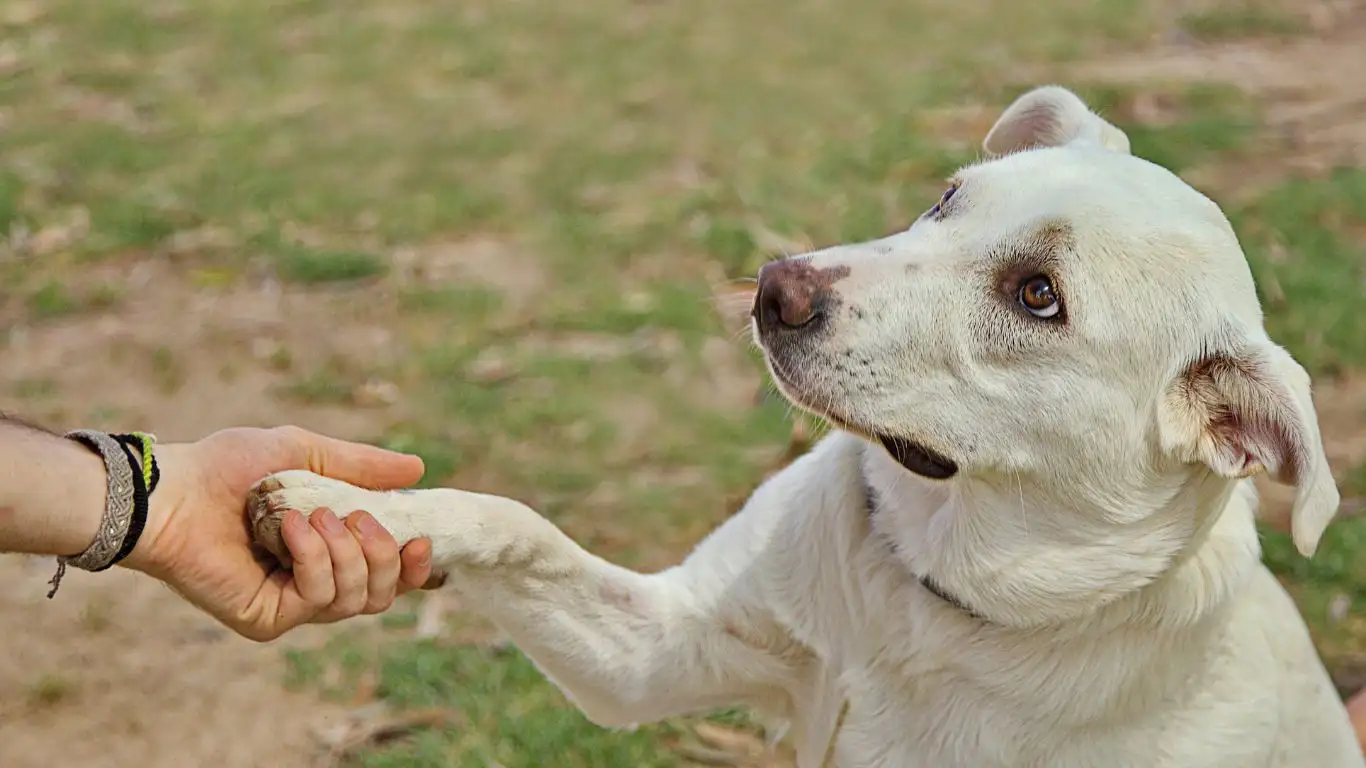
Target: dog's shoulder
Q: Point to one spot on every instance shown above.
(796, 539)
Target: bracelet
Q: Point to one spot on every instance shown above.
(130, 481)
(145, 477)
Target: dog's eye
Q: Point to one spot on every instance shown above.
(1039, 298)
(943, 200)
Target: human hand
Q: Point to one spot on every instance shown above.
(197, 539)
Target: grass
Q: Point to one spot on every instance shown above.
(506, 714)
(49, 690)
(308, 266)
(1304, 240)
(479, 683)
(624, 158)
(52, 299)
(1243, 19)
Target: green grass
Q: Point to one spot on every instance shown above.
(511, 717)
(1336, 567)
(52, 299)
(461, 301)
(321, 387)
(49, 690)
(1212, 121)
(297, 264)
(1242, 19)
(625, 157)
(503, 711)
(1304, 239)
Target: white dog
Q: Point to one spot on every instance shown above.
(1032, 541)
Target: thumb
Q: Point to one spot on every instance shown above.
(357, 463)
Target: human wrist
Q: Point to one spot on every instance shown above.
(151, 554)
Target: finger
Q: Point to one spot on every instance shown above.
(350, 574)
(415, 560)
(313, 584)
(288, 598)
(381, 559)
(355, 463)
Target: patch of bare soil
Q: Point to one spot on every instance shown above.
(514, 273)
(116, 671)
(184, 361)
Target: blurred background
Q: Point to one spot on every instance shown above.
(506, 234)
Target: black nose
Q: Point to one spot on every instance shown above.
(792, 294)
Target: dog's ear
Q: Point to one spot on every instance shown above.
(1249, 410)
(1051, 116)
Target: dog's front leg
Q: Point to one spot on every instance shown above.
(627, 648)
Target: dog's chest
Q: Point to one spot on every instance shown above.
(929, 687)
(930, 710)
(948, 718)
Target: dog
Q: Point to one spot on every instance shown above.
(1030, 539)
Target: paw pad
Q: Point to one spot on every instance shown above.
(266, 513)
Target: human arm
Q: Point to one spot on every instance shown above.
(52, 498)
(52, 492)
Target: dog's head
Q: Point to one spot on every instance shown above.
(1066, 313)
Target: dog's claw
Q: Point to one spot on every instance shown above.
(267, 518)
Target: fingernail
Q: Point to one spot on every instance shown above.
(330, 522)
(367, 526)
(296, 520)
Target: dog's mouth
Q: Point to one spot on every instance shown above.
(919, 459)
(908, 453)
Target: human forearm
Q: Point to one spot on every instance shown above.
(52, 492)
(194, 536)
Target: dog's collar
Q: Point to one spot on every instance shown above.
(926, 581)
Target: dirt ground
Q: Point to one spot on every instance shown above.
(117, 672)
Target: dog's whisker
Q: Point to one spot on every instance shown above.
(1024, 514)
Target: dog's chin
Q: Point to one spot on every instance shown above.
(912, 455)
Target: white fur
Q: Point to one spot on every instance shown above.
(1101, 522)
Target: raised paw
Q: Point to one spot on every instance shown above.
(466, 530)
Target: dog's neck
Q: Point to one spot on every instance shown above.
(872, 502)
(1008, 557)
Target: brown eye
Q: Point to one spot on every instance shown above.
(1039, 298)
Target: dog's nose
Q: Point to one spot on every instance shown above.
(791, 294)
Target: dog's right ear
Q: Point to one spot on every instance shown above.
(1051, 116)
(1247, 409)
